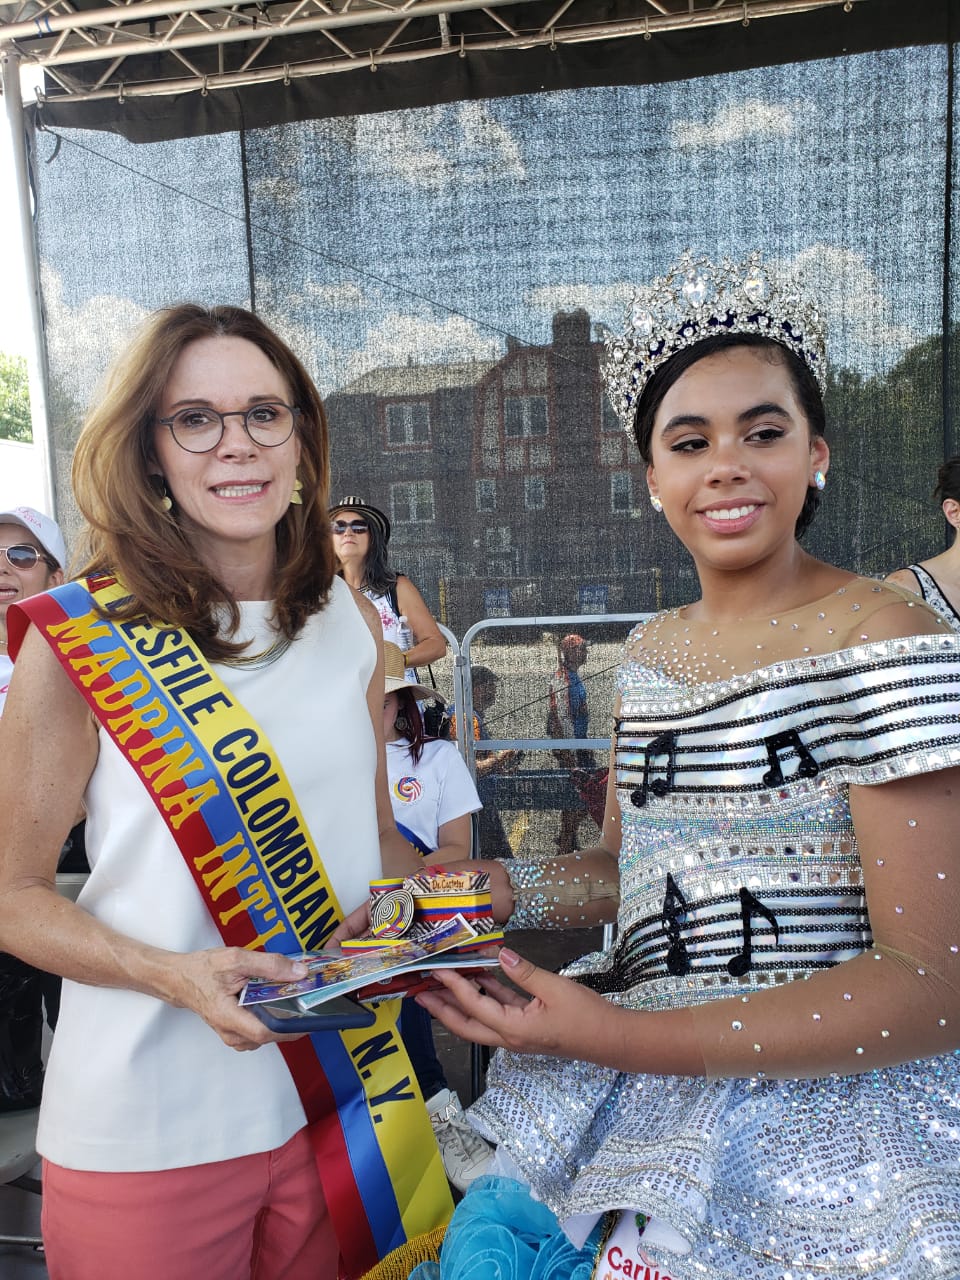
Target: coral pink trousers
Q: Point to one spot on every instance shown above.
(259, 1217)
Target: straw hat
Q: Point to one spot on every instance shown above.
(394, 679)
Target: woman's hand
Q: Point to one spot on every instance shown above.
(563, 1018)
(209, 982)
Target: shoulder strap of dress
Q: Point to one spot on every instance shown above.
(934, 594)
(392, 594)
(924, 578)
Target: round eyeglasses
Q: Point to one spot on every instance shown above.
(200, 429)
(24, 556)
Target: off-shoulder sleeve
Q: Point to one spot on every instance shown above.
(867, 714)
(891, 709)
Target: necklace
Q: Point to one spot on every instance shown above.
(254, 661)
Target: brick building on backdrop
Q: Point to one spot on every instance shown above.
(511, 486)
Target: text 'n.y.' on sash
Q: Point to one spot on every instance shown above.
(220, 788)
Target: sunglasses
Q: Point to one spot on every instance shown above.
(24, 556)
(354, 526)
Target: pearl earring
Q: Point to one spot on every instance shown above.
(656, 503)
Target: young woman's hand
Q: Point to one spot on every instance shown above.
(556, 1016)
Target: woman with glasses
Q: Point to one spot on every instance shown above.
(215, 692)
(32, 556)
(361, 533)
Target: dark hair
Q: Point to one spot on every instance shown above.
(948, 480)
(805, 388)
(414, 734)
(130, 534)
(377, 574)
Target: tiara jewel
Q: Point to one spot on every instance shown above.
(697, 300)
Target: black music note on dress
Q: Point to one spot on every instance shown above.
(664, 744)
(673, 915)
(750, 906)
(806, 768)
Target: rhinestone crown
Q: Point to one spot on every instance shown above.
(697, 299)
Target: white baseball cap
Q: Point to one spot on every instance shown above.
(46, 531)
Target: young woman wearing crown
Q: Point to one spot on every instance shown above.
(760, 1079)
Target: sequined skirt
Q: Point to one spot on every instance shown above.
(825, 1179)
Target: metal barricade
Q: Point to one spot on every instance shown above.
(529, 788)
(463, 702)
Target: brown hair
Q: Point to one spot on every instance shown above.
(415, 733)
(131, 535)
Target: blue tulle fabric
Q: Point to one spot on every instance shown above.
(499, 1232)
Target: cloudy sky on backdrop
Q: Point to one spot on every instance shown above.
(433, 234)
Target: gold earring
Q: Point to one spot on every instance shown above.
(165, 500)
(295, 499)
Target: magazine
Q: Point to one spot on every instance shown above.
(374, 975)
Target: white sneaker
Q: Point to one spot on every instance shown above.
(464, 1153)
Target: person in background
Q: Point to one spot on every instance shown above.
(215, 692)
(361, 533)
(491, 838)
(32, 558)
(433, 796)
(937, 580)
(759, 1079)
(568, 717)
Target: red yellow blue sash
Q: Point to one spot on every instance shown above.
(222, 793)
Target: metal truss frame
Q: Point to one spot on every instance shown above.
(90, 50)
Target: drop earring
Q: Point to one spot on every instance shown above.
(402, 724)
(656, 503)
(819, 480)
(165, 500)
(295, 499)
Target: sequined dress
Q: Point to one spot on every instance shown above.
(739, 869)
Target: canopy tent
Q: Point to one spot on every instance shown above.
(217, 64)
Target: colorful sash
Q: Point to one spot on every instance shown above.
(221, 790)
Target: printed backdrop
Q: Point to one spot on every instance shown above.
(448, 273)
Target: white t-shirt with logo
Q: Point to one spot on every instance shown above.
(435, 790)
